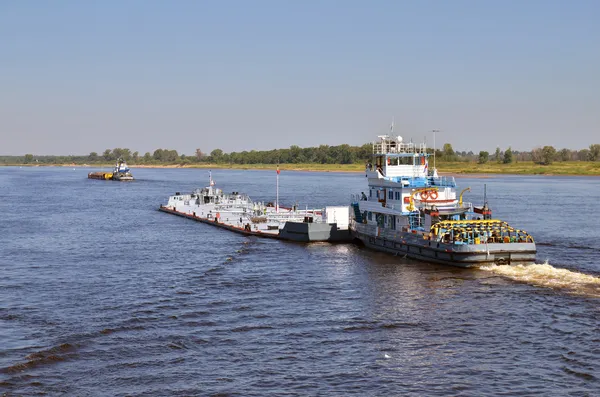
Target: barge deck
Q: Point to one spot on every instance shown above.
(291, 230)
(216, 223)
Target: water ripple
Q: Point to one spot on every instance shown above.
(99, 299)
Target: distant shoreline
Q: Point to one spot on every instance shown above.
(449, 169)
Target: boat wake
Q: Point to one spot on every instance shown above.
(546, 275)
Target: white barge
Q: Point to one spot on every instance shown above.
(238, 213)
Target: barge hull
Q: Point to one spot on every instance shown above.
(109, 176)
(104, 176)
(309, 232)
(122, 178)
(462, 256)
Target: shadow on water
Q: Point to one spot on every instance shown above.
(42, 357)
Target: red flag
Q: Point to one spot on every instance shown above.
(277, 169)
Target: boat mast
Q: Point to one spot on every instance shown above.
(211, 183)
(485, 194)
(434, 149)
(277, 191)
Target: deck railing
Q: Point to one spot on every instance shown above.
(391, 146)
(379, 231)
(443, 181)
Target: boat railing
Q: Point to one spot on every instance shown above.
(478, 232)
(396, 207)
(454, 235)
(465, 206)
(294, 216)
(443, 181)
(383, 232)
(389, 146)
(411, 181)
(355, 198)
(407, 181)
(415, 220)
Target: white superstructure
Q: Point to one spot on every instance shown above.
(409, 209)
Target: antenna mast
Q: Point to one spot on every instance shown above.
(434, 148)
(277, 190)
(485, 194)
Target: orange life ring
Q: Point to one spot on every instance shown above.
(433, 195)
(424, 195)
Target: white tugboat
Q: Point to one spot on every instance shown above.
(411, 211)
(238, 213)
(121, 171)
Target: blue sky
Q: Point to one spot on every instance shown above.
(82, 76)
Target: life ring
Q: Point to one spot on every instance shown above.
(433, 195)
(424, 195)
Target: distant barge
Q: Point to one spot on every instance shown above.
(100, 175)
(119, 173)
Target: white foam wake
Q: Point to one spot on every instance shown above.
(545, 275)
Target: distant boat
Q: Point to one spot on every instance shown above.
(120, 173)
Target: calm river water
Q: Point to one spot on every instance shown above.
(102, 295)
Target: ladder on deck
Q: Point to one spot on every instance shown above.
(357, 214)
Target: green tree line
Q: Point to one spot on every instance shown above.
(323, 154)
(545, 155)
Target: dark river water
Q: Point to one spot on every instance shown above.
(102, 295)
